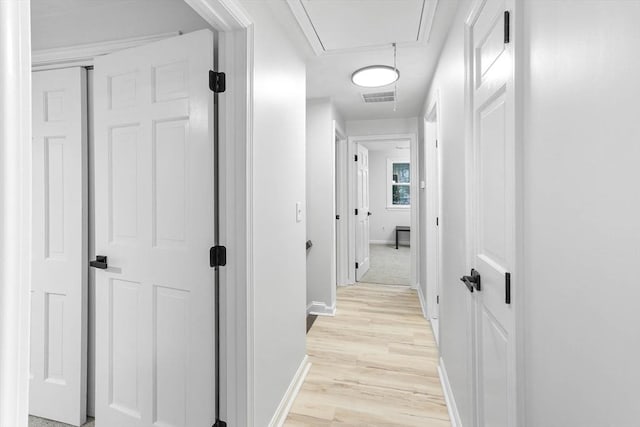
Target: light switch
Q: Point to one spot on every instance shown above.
(423, 184)
(298, 212)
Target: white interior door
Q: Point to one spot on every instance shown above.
(493, 211)
(58, 384)
(438, 234)
(433, 218)
(339, 219)
(362, 217)
(154, 223)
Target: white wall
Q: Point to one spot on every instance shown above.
(382, 127)
(455, 303)
(61, 24)
(582, 213)
(383, 221)
(279, 264)
(581, 208)
(321, 211)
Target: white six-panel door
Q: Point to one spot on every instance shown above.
(362, 219)
(493, 215)
(59, 251)
(154, 221)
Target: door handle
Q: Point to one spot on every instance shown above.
(472, 281)
(369, 213)
(100, 262)
(467, 283)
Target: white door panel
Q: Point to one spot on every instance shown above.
(493, 215)
(59, 271)
(154, 222)
(362, 219)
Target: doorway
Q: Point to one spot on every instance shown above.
(385, 206)
(151, 132)
(341, 203)
(235, 24)
(432, 217)
(150, 155)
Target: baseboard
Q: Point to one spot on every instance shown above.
(454, 415)
(346, 284)
(292, 392)
(321, 309)
(423, 302)
(435, 328)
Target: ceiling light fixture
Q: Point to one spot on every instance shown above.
(375, 76)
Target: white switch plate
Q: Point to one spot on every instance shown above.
(423, 184)
(298, 212)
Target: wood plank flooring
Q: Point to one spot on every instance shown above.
(373, 364)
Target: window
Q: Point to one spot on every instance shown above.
(398, 184)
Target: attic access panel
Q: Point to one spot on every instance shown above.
(340, 24)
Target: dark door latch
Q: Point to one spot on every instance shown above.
(472, 281)
(100, 262)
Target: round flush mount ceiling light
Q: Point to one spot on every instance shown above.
(375, 76)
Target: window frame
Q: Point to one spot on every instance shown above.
(389, 180)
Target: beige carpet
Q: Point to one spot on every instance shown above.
(41, 422)
(388, 265)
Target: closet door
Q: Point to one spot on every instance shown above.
(59, 247)
(154, 175)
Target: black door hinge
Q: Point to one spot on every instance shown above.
(357, 265)
(355, 158)
(507, 288)
(356, 211)
(436, 143)
(218, 256)
(506, 26)
(437, 221)
(337, 216)
(437, 299)
(217, 81)
(220, 423)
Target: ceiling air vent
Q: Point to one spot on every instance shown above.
(378, 97)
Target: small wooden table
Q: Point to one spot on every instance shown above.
(400, 228)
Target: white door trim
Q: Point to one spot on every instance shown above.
(342, 225)
(236, 130)
(82, 55)
(15, 216)
(235, 56)
(352, 141)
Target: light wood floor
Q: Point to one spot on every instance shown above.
(373, 364)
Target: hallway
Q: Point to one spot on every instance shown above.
(374, 363)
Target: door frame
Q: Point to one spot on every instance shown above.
(433, 192)
(520, 52)
(341, 203)
(352, 142)
(235, 58)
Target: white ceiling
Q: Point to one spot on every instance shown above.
(59, 23)
(338, 24)
(359, 33)
(49, 8)
(402, 147)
